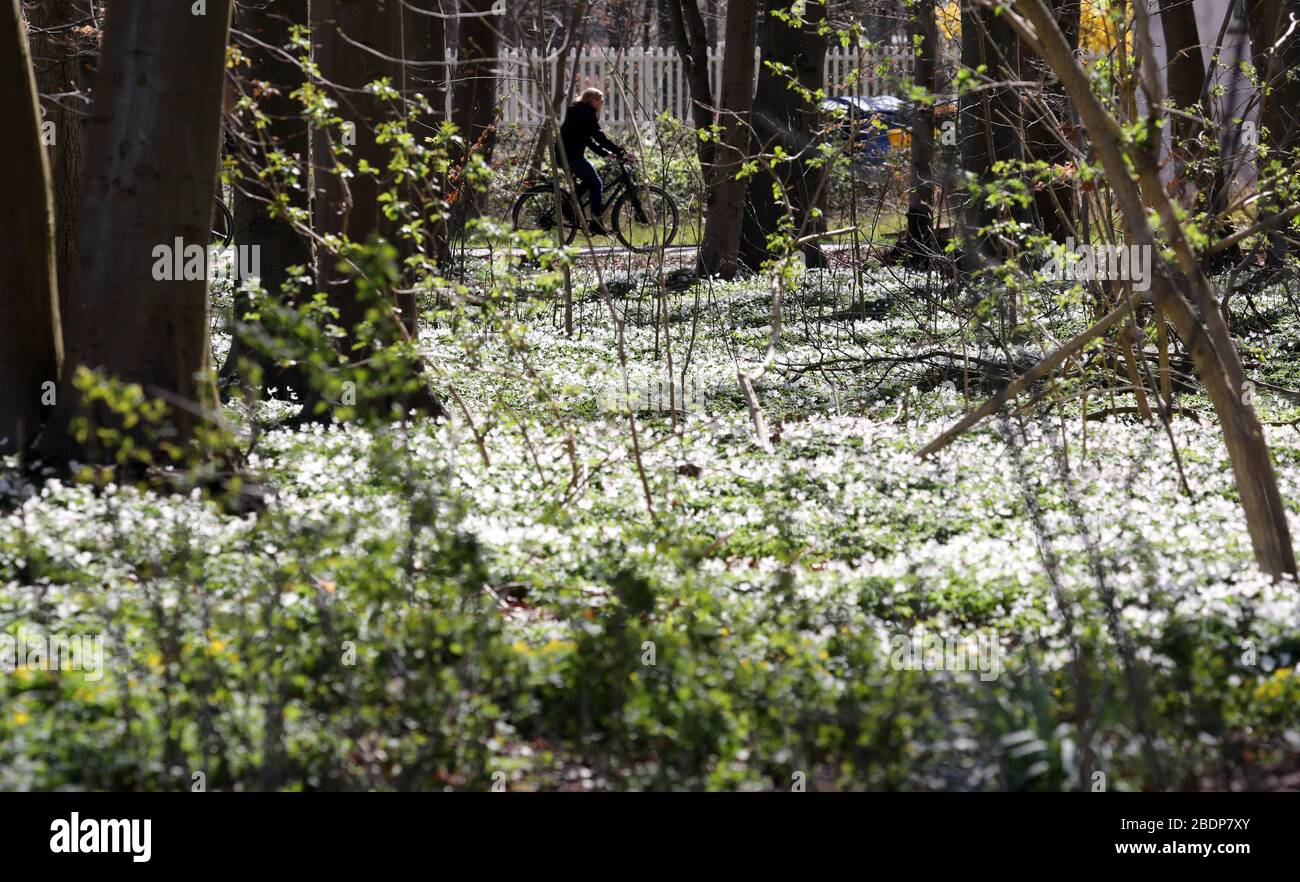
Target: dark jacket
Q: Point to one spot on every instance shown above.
(581, 129)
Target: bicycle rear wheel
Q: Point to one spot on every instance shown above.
(645, 218)
(534, 210)
(223, 224)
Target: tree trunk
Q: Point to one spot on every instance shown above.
(350, 206)
(720, 249)
(280, 245)
(988, 126)
(692, 43)
(60, 71)
(785, 117)
(425, 50)
(474, 97)
(1054, 200)
(923, 35)
(1279, 70)
(1186, 65)
(30, 337)
(151, 168)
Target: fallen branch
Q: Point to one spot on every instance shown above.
(1037, 372)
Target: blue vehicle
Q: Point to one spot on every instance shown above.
(877, 123)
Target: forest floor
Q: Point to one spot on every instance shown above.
(550, 594)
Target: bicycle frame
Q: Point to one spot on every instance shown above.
(622, 183)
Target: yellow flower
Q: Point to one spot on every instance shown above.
(21, 719)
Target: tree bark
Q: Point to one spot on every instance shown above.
(425, 50)
(1278, 68)
(988, 126)
(30, 336)
(350, 206)
(280, 246)
(923, 34)
(359, 42)
(151, 166)
(690, 38)
(1053, 200)
(474, 98)
(784, 117)
(61, 70)
(719, 252)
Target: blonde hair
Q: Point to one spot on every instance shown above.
(590, 95)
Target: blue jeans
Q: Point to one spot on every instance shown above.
(588, 180)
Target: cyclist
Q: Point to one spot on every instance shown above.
(580, 130)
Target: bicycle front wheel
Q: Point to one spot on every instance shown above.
(535, 210)
(645, 218)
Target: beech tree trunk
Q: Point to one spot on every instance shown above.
(474, 98)
(350, 206)
(424, 39)
(280, 246)
(30, 337)
(151, 167)
(1186, 65)
(719, 252)
(784, 117)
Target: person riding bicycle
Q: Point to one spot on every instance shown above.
(580, 130)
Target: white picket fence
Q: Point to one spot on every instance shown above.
(640, 84)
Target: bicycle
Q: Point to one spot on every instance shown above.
(223, 224)
(644, 216)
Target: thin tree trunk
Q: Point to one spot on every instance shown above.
(61, 72)
(719, 252)
(560, 85)
(30, 337)
(150, 180)
(785, 117)
(690, 38)
(923, 32)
